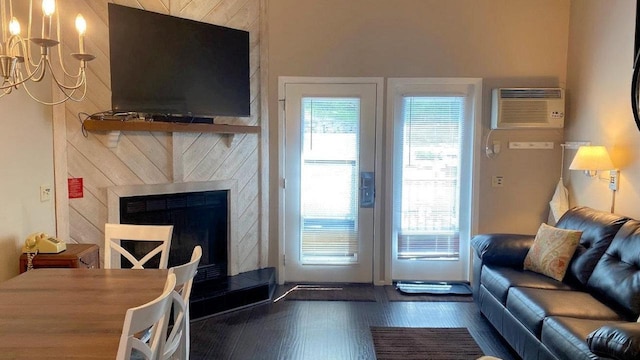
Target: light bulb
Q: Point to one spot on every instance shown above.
(48, 7)
(81, 24)
(14, 26)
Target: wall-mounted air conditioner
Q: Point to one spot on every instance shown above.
(527, 108)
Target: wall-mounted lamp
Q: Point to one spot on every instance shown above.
(591, 159)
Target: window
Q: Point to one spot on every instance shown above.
(329, 180)
(430, 147)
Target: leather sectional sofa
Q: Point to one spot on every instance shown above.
(591, 314)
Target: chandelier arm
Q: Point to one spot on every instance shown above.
(5, 91)
(28, 56)
(22, 50)
(65, 98)
(3, 21)
(70, 95)
(81, 79)
(67, 95)
(42, 66)
(15, 41)
(46, 59)
(60, 57)
(19, 47)
(75, 76)
(84, 90)
(8, 86)
(19, 80)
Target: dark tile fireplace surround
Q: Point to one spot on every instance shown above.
(199, 218)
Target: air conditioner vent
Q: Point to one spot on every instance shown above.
(523, 112)
(531, 93)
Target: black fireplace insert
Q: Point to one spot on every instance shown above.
(199, 218)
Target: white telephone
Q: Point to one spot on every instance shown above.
(42, 243)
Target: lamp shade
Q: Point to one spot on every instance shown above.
(591, 158)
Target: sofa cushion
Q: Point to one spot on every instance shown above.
(502, 249)
(551, 251)
(565, 336)
(598, 229)
(498, 280)
(531, 306)
(616, 277)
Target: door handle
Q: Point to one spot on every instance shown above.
(367, 189)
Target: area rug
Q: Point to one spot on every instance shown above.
(395, 295)
(330, 292)
(391, 343)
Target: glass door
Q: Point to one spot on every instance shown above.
(432, 177)
(330, 182)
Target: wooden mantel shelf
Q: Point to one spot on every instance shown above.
(115, 125)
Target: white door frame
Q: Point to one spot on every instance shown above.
(472, 193)
(378, 260)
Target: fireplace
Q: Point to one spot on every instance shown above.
(202, 213)
(198, 218)
(197, 211)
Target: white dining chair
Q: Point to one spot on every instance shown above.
(177, 344)
(152, 316)
(152, 234)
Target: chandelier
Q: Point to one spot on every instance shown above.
(24, 60)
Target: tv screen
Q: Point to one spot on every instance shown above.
(163, 65)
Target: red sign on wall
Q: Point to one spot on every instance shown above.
(75, 188)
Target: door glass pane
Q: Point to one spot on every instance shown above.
(329, 180)
(431, 150)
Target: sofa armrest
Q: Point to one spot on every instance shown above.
(617, 341)
(502, 249)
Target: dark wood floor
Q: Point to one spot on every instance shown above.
(329, 329)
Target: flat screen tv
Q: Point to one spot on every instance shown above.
(169, 67)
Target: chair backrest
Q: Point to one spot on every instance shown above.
(177, 344)
(152, 316)
(113, 233)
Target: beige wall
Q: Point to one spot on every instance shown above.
(26, 160)
(507, 43)
(599, 81)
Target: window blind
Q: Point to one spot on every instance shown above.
(329, 180)
(431, 153)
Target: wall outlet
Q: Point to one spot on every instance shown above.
(45, 193)
(497, 181)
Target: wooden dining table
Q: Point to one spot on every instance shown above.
(71, 313)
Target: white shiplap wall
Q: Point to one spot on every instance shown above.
(157, 158)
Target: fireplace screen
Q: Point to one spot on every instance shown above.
(198, 218)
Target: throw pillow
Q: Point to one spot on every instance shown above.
(551, 251)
